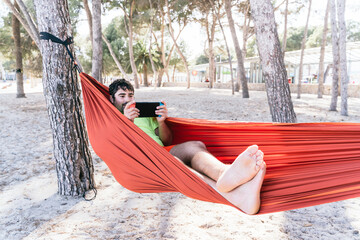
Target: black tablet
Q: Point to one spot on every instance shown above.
(147, 109)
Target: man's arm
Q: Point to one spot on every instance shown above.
(164, 131)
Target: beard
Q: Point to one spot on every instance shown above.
(122, 107)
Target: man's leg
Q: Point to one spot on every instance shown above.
(244, 168)
(247, 196)
(195, 155)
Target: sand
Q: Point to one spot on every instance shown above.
(30, 207)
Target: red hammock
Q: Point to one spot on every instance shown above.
(307, 163)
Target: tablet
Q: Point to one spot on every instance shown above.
(147, 109)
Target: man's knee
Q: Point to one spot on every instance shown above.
(197, 144)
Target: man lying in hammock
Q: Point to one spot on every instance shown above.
(240, 183)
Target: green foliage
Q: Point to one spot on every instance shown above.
(30, 52)
(295, 36)
(314, 40)
(202, 59)
(142, 57)
(251, 50)
(353, 33)
(116, 35)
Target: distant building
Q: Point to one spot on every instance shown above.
(292, 61)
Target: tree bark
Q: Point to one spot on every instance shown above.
(62, 93)
(285, 26)
(302, 52)
(97, 54)
(322, 52)
(342, 51)
(241, 78)
(18, 56)
(272, 62)
(336, 57)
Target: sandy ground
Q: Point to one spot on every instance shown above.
(30, 207)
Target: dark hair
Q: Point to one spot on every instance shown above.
(120, 83)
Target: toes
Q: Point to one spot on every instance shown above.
(253, 149)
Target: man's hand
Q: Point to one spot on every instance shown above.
(130, 111)
(161, 110)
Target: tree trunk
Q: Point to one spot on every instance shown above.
(285, 27)
(322, 53)
(165, 61)
(97, 53)
(227, 48)
(245, 27)
(89, 18)
(131, 49)
(240, 62)
(272, 61)
(342, 51)
(118, 64)
(173, 76)
(336, 58)
(146, 82)
(62, 93)
(171, 31)
(210, 31)
(150, 45)
(18, 56)
(302, 52)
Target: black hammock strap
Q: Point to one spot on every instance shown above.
(66, 43)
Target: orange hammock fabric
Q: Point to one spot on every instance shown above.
(307, 163)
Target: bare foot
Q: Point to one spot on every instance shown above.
(247, 196)
(242, 170)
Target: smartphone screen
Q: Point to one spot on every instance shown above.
(147, 109)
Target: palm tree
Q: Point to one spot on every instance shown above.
(142, 60)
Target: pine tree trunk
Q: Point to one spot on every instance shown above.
(241, 78)
(62, 93)
(302, 52)
(97, 41)
(272, 62)
(322, 53)
(18, 56)
(342, 51)
(336, 58)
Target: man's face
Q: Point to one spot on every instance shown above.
(122, 98)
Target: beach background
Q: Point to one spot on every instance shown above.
(30, 207)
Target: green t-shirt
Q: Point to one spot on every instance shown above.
(148, 125)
